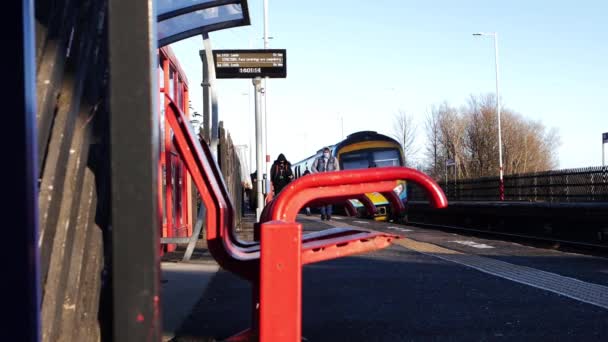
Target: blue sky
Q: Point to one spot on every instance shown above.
(364, 62)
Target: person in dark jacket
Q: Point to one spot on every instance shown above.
(253, 197)
(306, 172)
(280, 173)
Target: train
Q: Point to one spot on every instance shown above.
(365, 149)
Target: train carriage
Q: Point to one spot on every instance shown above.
(360, 150)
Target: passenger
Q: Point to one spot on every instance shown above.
(307, 171)
(253, 197)
(326, 162)
(280, 173)
(246, 188)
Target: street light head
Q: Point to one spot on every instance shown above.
(494, 34)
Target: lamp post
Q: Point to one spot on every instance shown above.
(265, 95)
(249, 135)
(501, 184)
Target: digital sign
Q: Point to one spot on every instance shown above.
(250, 63)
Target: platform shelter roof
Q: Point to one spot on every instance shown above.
(181, 19)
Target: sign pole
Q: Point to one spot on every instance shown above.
(254, 64)
(604, 142)
(258, 145)
(209, 96)
(446, 175)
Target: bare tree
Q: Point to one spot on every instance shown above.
(433, 147)
(445, 128)
(452, 127)
(469, 137)
(403, 132)
(481, 136)
(528, 146)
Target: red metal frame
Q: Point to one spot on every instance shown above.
(281, 282)
(274, 266)
(350, 209)
(397, 206)
(335, 186)
(178, 218)
(368, 204)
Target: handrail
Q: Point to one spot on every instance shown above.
(211, 188)
(333, 184)
(395, 202)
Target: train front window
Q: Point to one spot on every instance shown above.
(355, 160)
(369, 158)
(386, 158)
(355, 164)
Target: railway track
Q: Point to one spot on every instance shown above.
(535, 240)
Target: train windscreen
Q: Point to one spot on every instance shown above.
(369, 158)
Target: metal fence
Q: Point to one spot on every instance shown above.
(230, 166)
(569, 185)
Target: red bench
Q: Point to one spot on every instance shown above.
(274, 265)
(397, 206)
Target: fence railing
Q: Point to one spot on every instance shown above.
(230, 166)
(569, 185)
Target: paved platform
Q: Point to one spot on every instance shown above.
(181, 288)
(183, 283)
(433, 286)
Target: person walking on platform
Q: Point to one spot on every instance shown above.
(253, 195)
(325, 163)
(306, 172)
(280, 173)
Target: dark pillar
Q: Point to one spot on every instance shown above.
(134, 140)
(20, 288)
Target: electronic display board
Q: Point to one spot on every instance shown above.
(250, 63)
